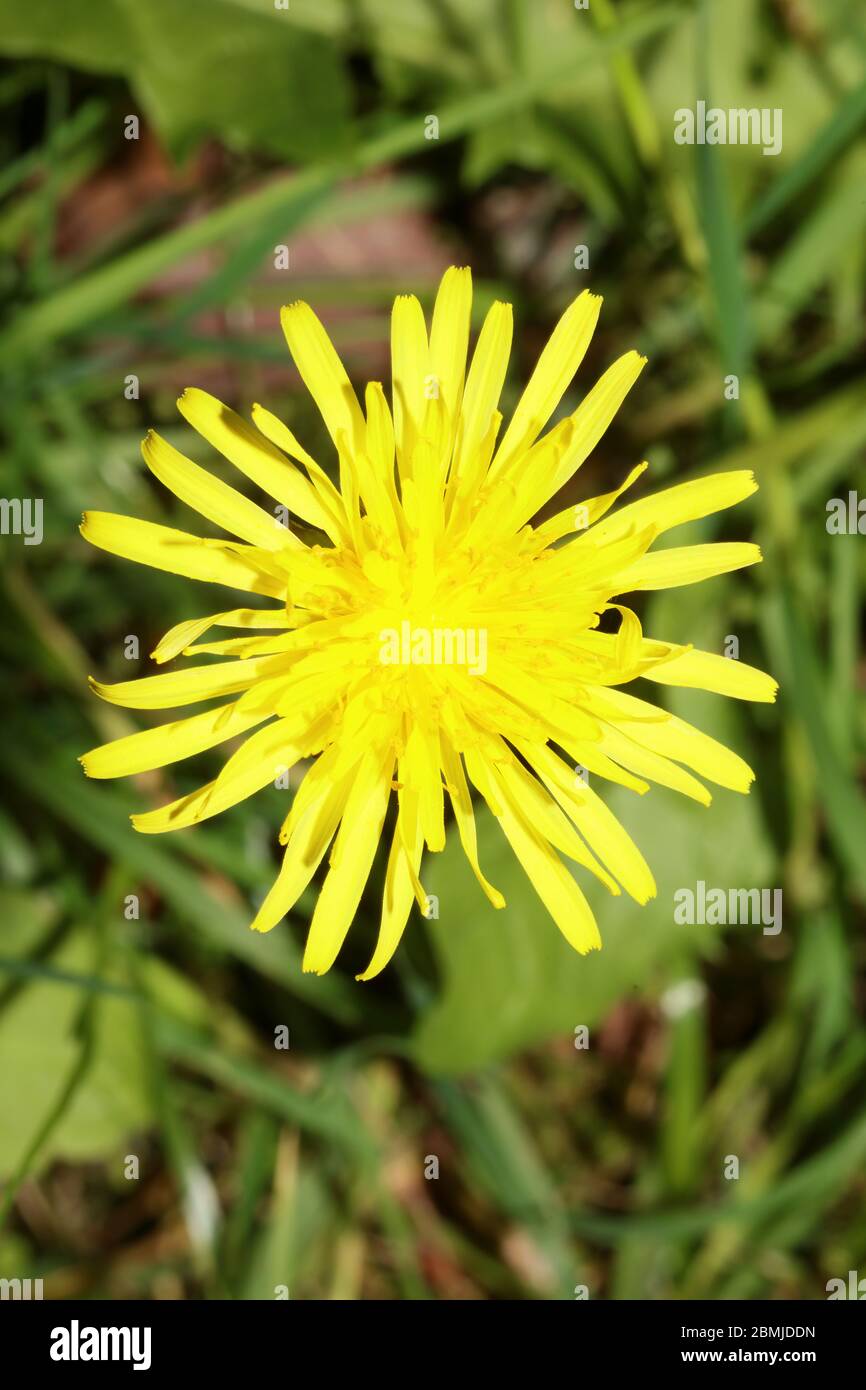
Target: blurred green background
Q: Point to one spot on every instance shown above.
(262, 1169)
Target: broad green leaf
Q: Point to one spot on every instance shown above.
(203, 68)
(509, 980)
(39, 1047)
(25, 918)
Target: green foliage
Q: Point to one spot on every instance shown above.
(41, 1039)
(305, 1168)
(243, 72)
(510, 981)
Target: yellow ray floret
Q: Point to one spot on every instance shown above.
(414, 635)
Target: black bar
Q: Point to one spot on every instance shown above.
(250, 1338)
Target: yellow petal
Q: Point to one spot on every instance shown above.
(559, 360)
(528, 690)
(550, 878)
(400, 876)
(595, 413)
(526, 796)
(173, 688)
(380, 450)
(504, 507)
(582, 560)
(590, 756)
(312, 833)
(261, 759)
(481, 396)
(423, 773)
(632, 755)
(373, 489)
(449, 339)
(583, 514)
(169, 743)
(410, 368)
(351, 859)
(598, 825)
(211, 497)
(461, 801)
(721, 674)
(672, 737)
(195, 557)
(184, 634)
(319, 778)
(323, 373)
(685, 502)
(326, 509)
(684, 564)
(628, 640)
(379, 439)
(254, 456)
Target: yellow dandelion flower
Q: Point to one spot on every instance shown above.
(433, 639)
